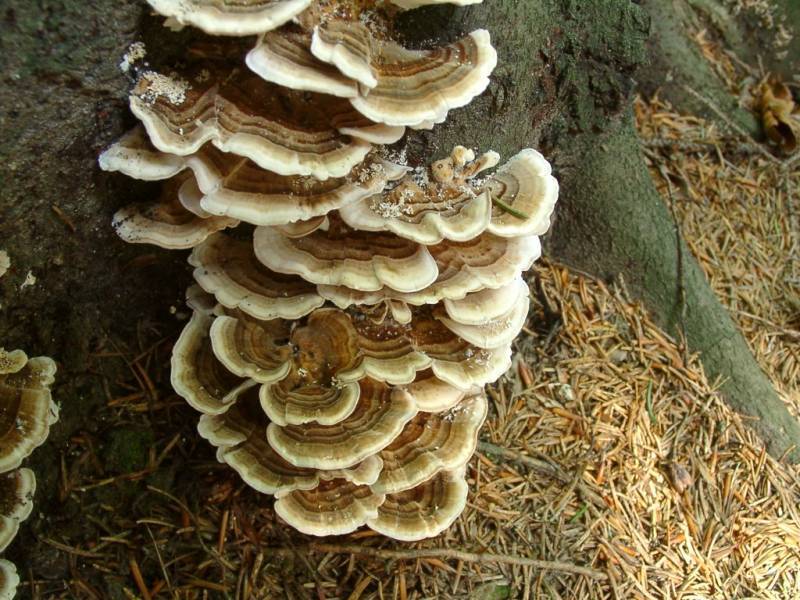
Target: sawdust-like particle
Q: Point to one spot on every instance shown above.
(171, 87)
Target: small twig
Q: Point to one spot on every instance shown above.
(64, 218)
(543, 467)
(509, 209)
(780, 330)
(696, 146)
(445, 553)
(161, 562)
(136, 573)
(649, 403)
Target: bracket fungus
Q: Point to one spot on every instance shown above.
(383, 81)
(9, 579)
(339, 346)
(27, 411)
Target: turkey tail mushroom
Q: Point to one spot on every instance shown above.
(340, 340)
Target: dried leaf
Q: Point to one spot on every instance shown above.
(777, 107)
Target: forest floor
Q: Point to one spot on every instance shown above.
(609, 466)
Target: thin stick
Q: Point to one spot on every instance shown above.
(509, 209)
(161, 562)
(137, 577)
(542, 467)
(721, 114)
(448, 554)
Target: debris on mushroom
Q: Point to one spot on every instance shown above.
(339, 345)
(453, 204)
(524, 194)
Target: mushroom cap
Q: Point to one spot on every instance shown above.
(381, 78)
(516, 201)
(379, 417)
(16, 502)
(350, 47)
(335, 507)
(425, 218)
(172, 222)
(231, 17)
(26, 408)
(394, 353)
(264, 198)
(526, 185)
(343, 257)
(282, 130)
(134, 155)
(240, 438)
(496, 333)
(434, 395)
(406, 87)
(197, 375)
(335, 347)
(12, 362)
(288, 404)
(487, 305)
(269, 351)
(252, 348)
(284, 57)
(235, 187)
(9, 579)
(485, 262)
(228, 268)
(424, 511)
(429, 443)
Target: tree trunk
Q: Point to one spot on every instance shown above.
(563, 84)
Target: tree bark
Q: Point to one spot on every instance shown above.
(563, 84)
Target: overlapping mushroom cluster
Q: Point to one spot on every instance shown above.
(338, 353)
(26, 413)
